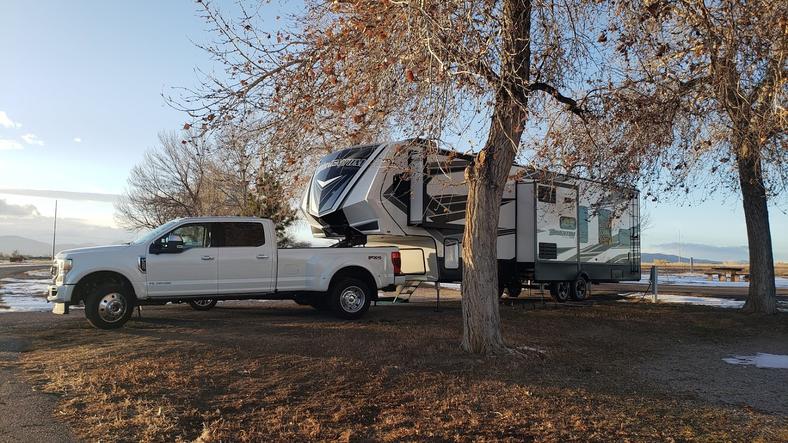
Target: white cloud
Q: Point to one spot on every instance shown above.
(12, 210)
(6, 122)
(9, 145)
(32, 139)
(77, 140)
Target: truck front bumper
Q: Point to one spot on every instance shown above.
(60, 296)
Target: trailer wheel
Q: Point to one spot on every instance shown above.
(560, 291)
(203, 304)
(350, 298)
(580, 289)
(109, 306)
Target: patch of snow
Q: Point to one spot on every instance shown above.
(696, 279)
(759, 360)
(39, 274)
(24, 294)
(700, 301)
(451, 286)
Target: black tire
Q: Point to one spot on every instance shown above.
(560, 290)
(109, 305)
(349, 298)
(203, 304)
(581, 289)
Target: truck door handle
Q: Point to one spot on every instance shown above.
(207, 257)
(262, 256)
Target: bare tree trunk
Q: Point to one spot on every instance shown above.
(486, 179)
(761, 297)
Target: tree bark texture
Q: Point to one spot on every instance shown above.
(486, 179)
(762, 296)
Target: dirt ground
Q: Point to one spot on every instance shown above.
(251, 371)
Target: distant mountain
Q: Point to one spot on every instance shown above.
(709, 252)
(27, 246)
(649, 257)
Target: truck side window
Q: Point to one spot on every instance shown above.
(240, 234)
(194, 235)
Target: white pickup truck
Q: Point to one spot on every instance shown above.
(205, 259)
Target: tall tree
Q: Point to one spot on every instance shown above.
(191, 175)
(353, 71)
(698, 101)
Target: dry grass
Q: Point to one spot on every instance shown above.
(286, 373)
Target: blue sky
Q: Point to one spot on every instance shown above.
(80, 102)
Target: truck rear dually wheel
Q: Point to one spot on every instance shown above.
(203, 304)
(350, 298)
(109, 306)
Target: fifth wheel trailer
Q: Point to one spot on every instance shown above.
(561, 230)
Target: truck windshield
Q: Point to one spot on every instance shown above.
(155, 233)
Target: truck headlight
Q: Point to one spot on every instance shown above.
(63, 266)
(67, 265)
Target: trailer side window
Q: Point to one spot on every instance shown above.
(569, 223)
(582, 231)
(451, 255)
(605, 217)
(545, 193)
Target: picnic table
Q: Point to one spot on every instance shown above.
(729, 273)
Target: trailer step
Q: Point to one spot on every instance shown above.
(406, 290)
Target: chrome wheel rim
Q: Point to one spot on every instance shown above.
(112, 307)
(203, 302)
(352, 299)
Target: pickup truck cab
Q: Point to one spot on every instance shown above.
(202, 260)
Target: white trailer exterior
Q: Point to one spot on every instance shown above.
(552, 228)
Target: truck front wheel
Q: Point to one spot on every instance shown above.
(350, 298)
(109, 306)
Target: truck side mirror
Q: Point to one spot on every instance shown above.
(172, 245)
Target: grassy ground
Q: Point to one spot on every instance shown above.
(276, 371)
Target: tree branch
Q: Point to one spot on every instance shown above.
(572, 104)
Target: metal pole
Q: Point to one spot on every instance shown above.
(437, 296)
(54, 232)
(654, 282)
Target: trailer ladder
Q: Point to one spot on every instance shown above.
(634, 236)
(406, 290)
